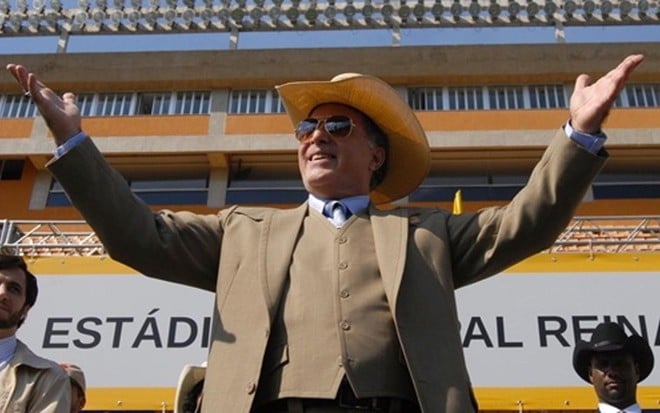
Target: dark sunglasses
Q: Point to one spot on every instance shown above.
(335, 126)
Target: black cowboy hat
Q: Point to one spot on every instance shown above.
(611, 337)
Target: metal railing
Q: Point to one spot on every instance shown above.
(610, 234)
(594, 234)
(45, 238)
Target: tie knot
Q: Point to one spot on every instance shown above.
(337, 212)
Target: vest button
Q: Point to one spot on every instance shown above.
(345, 325)
(343, 265)
(344, 294)
(251, 387)
(342, 240)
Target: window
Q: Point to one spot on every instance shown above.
(171, 191)
(255, 101)
(167, 191)
(11, 169)
(266, 191)
(619, 186)
(547, 97)
(192, 103)
(100, 104)
(640, 96)
(17, 106)
(155, 103)
(505, 97)
(473, 188)
(426, 99)
(86, 105)
(130, 104)
(487, 97)
(461, 98)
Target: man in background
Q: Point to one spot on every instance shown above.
(189, 390)
(614, 363)
(78, 386)
(28, 383)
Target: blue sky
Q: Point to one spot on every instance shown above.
(346, 38)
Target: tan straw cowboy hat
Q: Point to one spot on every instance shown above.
(409, 156)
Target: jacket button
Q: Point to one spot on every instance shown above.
(344, 294)
(345, 325)
(343, 265)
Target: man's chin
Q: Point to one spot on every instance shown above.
(6, 324)
(616, 397)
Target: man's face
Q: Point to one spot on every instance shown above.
(12, 300)
(614, 375)
(337, 167)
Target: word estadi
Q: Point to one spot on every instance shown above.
(127, 331)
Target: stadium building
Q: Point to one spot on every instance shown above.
(200, 130)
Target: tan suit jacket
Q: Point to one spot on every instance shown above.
(32, 384)
(243, 254)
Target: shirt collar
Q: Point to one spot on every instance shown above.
(607, 408)
(355, 204)
(7, 349)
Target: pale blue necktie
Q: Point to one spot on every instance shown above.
(337, 212)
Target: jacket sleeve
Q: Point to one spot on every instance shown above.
(490, 240)
(52, 394)
(176, 246)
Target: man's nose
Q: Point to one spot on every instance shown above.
(319, 135)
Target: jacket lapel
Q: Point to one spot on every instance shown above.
(277, 243)
(390, 229)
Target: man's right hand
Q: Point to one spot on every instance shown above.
(61, 114)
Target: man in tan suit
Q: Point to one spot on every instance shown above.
(318, 314)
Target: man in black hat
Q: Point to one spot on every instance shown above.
(614, 363)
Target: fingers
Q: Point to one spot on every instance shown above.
(630, 63)
(20, 74)
(69, 98)
(582, 81)
(620, 74)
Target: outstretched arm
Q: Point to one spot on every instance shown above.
(591, 101)
(61, 114)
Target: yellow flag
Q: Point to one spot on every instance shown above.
(458, 202)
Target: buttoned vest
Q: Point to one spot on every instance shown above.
(333, 320)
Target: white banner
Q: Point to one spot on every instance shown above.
(518, 329)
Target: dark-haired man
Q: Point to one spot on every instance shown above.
(28, 383)
(329, 307)
(614, 363)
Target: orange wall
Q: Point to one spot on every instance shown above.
(147, 125)
(255, 124)
(16, 128)
(457, 120)
(279, 123)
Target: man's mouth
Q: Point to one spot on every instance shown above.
(614, 384)
(321, 156)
